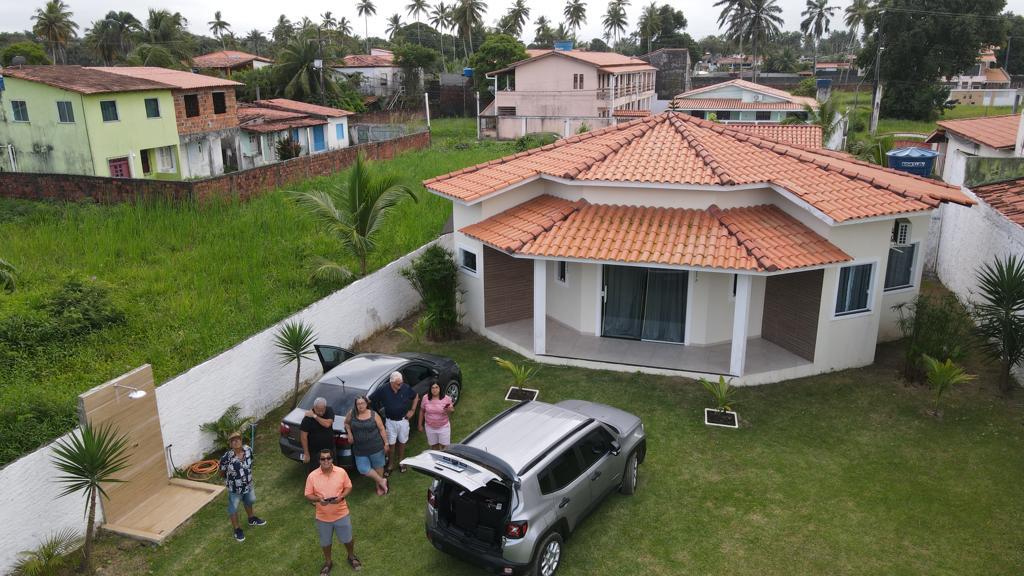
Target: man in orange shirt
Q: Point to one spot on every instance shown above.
(326, 488)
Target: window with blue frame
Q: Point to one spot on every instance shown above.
(339, 132)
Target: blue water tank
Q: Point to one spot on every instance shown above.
(467, 72)
(825, 83)
(918, 161)
(563, 45)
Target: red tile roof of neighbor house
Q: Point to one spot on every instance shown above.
(367, 60)
(82, 80)
(674, 148)
(1005, 197)
(996, 75)
(998, 132)
(713, 104)
(176, 79)
(758, 238)
(744, 84)
(226, 59)
(805, 135)
(631, 113)
(303, 108)
(264, 120)
(611, 62)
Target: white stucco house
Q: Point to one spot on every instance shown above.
(958, 140)
(742, 101)
(332, 134)
(380, 76)
(671, 244)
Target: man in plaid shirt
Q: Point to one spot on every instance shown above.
(236, 468)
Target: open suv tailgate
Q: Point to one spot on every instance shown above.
(451, 468)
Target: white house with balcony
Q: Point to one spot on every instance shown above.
(564, 91)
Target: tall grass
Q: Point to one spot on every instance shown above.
(193, 279)
(862, 100)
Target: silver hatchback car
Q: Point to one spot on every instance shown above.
(509, 495)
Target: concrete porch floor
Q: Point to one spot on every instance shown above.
(565, 342)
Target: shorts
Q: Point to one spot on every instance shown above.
(249, 498)
(365, 463)
(398, 431)
(442, 435)
(342, 527)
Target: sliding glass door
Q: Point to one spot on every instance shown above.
(644, 304)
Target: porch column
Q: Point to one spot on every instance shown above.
(540, 298)
(740, 316)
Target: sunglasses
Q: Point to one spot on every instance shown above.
(325, 459)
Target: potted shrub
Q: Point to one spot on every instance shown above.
(520, 374)
(721, 414)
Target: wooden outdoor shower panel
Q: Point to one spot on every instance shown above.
(508, 288)
(792, 303)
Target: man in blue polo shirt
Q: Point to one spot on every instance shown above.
(399, 402)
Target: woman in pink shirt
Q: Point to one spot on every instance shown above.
(434, 411)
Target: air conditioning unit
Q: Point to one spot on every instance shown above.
(901, 233)
(757, 97)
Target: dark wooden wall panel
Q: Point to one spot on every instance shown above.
(508, 288)
(791, 306)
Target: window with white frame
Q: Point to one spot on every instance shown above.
(899, 270)
(562, 272)
(467, 260)
(854, 294)
(165, 159)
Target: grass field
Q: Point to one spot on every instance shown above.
(193, 280)
(841, 474)
(897, 126)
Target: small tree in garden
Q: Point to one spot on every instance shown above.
(521, 373)
(51, 557)
(287, 149)
(354, 213)
(938, 326)
(722, 392)
(228, 423)
(87, 460)
(294, 341)
(1000, 314)
(433, 275)
(8, 276)
(942, 376)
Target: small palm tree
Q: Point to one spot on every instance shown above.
(722, 392)
(88, 460)
(294, 341)
(8, 276)
(825, 116)
(355, 212)
(1000, 314)
(218, 27)
(53, 556)
(521, 373)
(942, 376)
(229, 422)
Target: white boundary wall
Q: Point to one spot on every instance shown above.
(249, 374)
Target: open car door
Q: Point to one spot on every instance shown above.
(331, 356)
(451, 468)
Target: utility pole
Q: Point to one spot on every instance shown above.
(876, 102)
(320, 50)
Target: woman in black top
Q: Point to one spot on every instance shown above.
(366, 432)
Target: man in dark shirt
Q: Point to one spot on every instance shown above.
(399, 402)
(317, 431)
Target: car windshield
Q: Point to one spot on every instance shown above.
(339, 398)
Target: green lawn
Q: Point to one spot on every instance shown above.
(894, 125)
(193, 280)
(837, 474)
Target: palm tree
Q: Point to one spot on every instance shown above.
(942, 376)
(8, 276)
(517, 16)
(855, 14)
(649, 24)
(354, 212)
(344, 27)
(756, 22)
(1000, 314)
(394, 24)
(294, 341)
(416, 9)
(327, 21)
(438, 18)
(282, 32)
(218, 27)
(53, 556)
(255, 39)
(162, 42)
(575, 13)
(306, 24)
(88, 460)
(365, 8)
(54, 24)
(543, 25)
(732, 11)
(111, 37)
(469, 14)
(816, 22)
(615, 21)
(294, 68)
(826, 116)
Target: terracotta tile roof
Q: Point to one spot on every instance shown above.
(303, 108)
(367, 61)
(996, 75)
(1005, 197)
(734, 104)
(177, 79)
(611, 62)
(226, 59)
(998, 132)
(744, 84)
(804, 135)
(264, 120)
(82, 80)
(674, 148)
(760, 238)
(631, 113)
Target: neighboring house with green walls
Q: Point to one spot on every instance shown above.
(77, 120)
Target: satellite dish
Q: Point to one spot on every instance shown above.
(18, 61)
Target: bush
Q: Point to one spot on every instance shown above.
(938, 326)
(535, 140)
(807, 87)
(75, 310)
(433, 275)
(287, 149)
(229, 423)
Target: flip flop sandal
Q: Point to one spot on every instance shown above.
(326, 569)
(387, 473)
(355, 563)
(403, 468)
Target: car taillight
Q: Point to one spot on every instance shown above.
(341, 441)
(516, 530)
(284, 429)
(430, 499)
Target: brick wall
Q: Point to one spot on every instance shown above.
(508, 288)
(243, 184)
(207, 121)
(791, 306)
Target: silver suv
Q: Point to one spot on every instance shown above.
(509, 495)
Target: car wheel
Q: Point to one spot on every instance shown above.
(630, 475)
(549, 555)
(452, 390)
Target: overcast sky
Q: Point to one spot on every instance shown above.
(245, 15)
